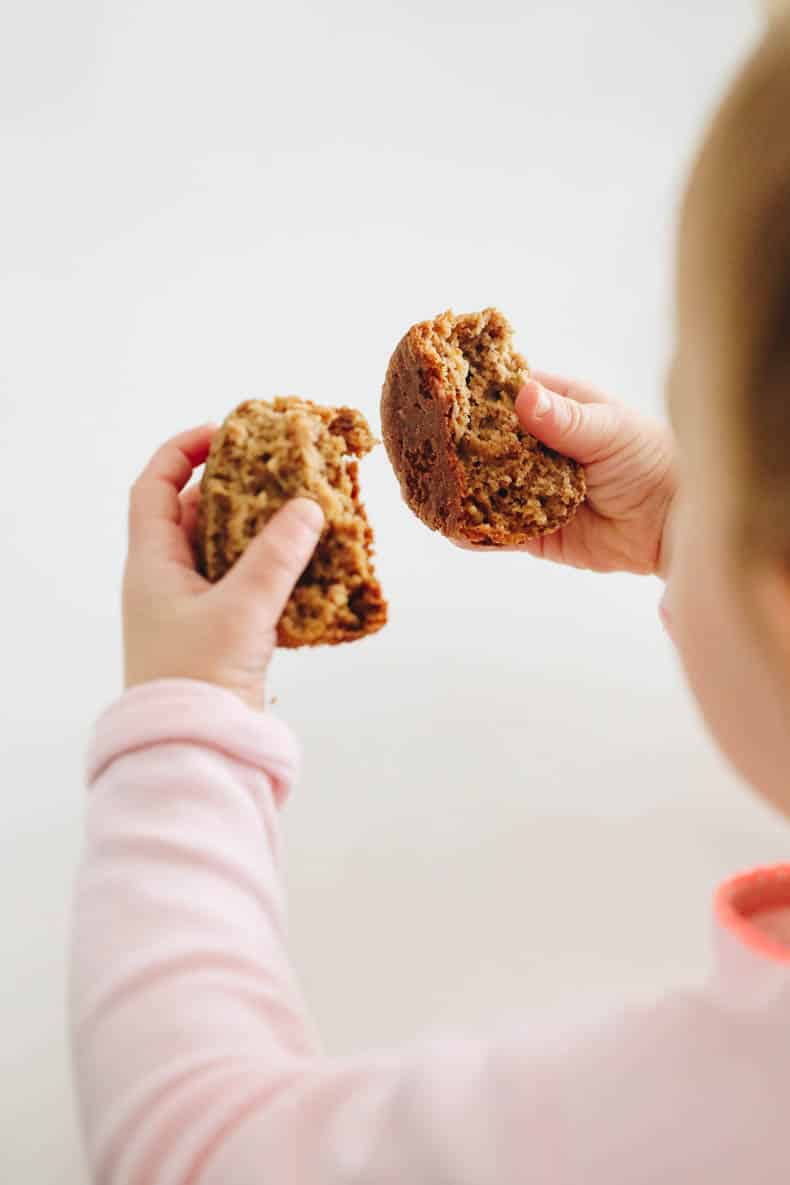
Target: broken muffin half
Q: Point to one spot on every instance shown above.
(465, 465)
(267, 453)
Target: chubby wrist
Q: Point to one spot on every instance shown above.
(251, 695)
(664, 557)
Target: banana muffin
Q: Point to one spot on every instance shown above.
(267, 453)
(465, 465)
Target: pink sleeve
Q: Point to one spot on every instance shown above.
(196, 1063)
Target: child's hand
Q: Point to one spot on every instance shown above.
(631, 481)
(176, 624)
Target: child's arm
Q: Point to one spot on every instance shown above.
(197, 1065)
(195, 1061)
(194, 1057)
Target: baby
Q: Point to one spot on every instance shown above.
(195, 1060)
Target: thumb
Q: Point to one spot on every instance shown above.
(276, 558)
(584, 431)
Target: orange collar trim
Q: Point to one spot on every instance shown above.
(740, 900)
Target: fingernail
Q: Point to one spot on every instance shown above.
(308, 511)
(542, 403)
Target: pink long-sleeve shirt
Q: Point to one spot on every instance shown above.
(196, 1063)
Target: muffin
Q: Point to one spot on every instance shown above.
(267, 453)
(465, 465)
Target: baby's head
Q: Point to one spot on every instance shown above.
(729, 396)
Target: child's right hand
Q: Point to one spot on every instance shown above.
(629, 460)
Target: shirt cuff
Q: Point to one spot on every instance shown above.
(187, 711)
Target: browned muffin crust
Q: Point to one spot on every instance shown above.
(262, 456)
(465, 465)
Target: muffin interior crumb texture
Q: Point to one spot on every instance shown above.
(264, 455)
(509, 476)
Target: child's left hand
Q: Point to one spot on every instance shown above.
(177, 624)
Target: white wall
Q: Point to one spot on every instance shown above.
(202, 202)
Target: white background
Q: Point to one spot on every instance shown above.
(508, 799)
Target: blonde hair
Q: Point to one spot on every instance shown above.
(735, 268)
(773, 8)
